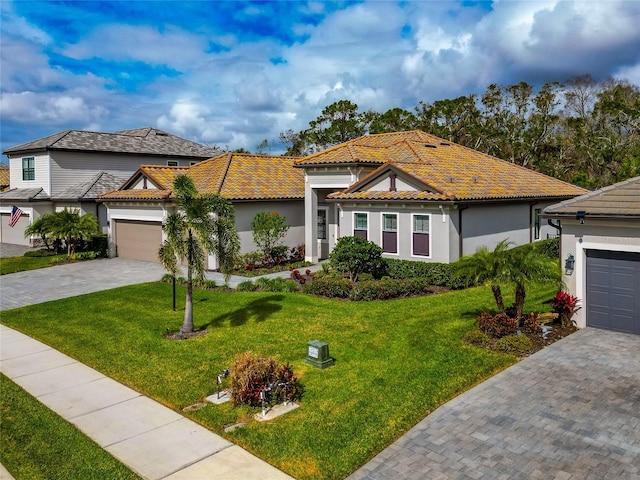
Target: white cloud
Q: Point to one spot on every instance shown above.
(48, 109)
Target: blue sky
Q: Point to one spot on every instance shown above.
(234, 73)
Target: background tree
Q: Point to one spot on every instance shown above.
(393, 120)
(203, 224)
(457, 120)
(339, 122)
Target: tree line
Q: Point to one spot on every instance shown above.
(583, 131)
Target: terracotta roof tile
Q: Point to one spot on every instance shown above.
(455, 172)
(137, 194)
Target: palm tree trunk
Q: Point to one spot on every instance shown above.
(497, 293)
(187, 325)
(520, 296)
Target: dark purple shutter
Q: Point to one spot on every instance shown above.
(421, 244)
(360, 233)
(390, 242)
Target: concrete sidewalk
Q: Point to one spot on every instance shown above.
(151, 439)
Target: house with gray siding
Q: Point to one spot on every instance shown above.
(72, 168)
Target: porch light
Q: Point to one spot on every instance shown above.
(569, 263)
(580, 214)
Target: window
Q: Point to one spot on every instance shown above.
(390, 232)
(420, 237)
(360, 224)
(29, 168)
(322, 224)
(536, 224)
(172, 163)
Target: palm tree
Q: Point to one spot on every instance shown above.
(202, 224)
(487, 266)
(41, 227)
(529, 266)
(72, 227)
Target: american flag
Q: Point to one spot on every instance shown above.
(16, 213)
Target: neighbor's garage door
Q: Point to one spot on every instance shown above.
(613, 290)
(14, 234)
(138, 240)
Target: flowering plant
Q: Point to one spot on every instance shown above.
(565, 305)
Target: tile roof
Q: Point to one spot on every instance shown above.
(4, 176)
(619, 200)
(24, 195)
(448, 171)
(140, 141)
(101, 183)
(235, 176)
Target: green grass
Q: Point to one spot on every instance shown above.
(22, 264)
(38, 444)
(396, 361)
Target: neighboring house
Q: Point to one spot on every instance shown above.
(422, 198)
(72, 168)
(253, 183)
(600, 254)
(4, 177)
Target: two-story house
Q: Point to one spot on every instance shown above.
(72, 168)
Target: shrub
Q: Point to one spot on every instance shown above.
(477, 338)
(296, 254)
(550, 247)
(84, 256)
(249, 261)
(516, 345)
(42, 252)
(354, 255)
(440, 274)
(276, 285)
(246, 286)
(99, 244)
(209, 285)
(565, 305)
(250, 374)
(328, 287)
(497, 326)
(366, 290)
(530, 324)
(268, 229)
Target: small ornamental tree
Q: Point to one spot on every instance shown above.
(269, 229)
(355, 255)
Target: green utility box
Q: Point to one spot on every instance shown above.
(318, 354)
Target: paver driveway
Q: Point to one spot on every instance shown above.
(62, 281)
(571, 411)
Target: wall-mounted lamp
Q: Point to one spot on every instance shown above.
(569, 264)
(580, 216)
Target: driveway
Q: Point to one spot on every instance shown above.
(570, 411)
(62, 281)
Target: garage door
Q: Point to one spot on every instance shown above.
(613, 290)
(14, 234)
(138, 240)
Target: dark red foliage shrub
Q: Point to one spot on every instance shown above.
(497, 326)
(530, 324)
(565, 305)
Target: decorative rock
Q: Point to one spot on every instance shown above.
(225, 396)
(235, 426)
(194, 407)
(276, 411)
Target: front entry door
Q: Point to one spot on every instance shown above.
(323, 237)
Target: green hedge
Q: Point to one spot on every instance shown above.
(439, 274)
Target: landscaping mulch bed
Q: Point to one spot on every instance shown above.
(185, 336)
(556, 333)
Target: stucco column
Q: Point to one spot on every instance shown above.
(310, 224)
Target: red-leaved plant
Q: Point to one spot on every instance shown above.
(565, 305)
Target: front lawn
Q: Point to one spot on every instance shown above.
(396, 361)
(21, 264)
(38, 444)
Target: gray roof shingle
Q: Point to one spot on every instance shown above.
(23, 194)
(621, 200)
(140, 141)
(103, 182)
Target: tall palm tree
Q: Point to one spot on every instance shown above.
(202, 224)
(487, 266)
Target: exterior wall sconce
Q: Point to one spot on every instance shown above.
(580, 214)
(569, 264)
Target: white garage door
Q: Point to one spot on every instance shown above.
(613, 290)
(138, 240)
(14, 234)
